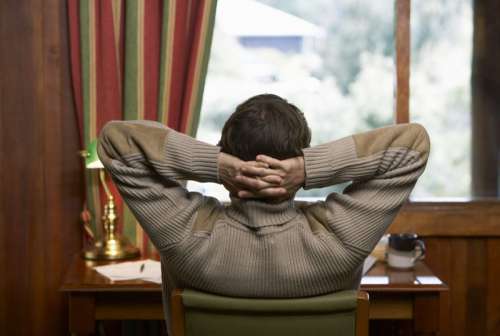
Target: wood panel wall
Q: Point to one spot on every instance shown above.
(41, 187)
(41, 193)
(471, 268)
(463, 249)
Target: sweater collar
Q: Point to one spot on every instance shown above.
(255, 213)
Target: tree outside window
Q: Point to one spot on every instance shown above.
(335, 61)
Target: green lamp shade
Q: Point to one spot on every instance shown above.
(91, 159)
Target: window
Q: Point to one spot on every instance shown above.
(335, 61)
(440, 93)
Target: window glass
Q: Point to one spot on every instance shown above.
(440, 93)
(335, 61)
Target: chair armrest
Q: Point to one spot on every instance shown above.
(177, 313)
(362, 314)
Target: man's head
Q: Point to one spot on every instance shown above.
(265, 124)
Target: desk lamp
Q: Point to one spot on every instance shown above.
(111, 246)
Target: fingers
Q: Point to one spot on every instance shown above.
(273, 179)
(272, 162)
(252, 183)
(265, 193)
(263, 178)
(250, 170)
(273, 192)
(246, 194)
(258, 164)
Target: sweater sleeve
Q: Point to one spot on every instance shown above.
(383, 165)
(146, 161)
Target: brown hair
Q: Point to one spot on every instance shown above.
(265, 124)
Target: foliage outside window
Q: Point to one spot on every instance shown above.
(339, 69)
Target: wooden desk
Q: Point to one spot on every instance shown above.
(407, 295)
(393, 295)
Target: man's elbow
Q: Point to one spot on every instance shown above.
(110, 134)
(422, 143)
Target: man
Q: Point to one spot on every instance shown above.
(262, 244)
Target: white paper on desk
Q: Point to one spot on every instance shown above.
(131, 270)
(369, 262)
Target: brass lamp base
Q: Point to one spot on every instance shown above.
(111, 246)
(111, 249)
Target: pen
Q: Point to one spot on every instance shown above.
(142, 267)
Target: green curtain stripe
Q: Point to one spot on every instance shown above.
(133, 81)
(129, 228)
(205, 56)
(85, 64)
(90, 200)
(130, 109)
(85, 72)
(130, 99)
(163, 63)
(95, 207)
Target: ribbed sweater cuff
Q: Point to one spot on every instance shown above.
(324, 163)
(195, 159)
(204, 163)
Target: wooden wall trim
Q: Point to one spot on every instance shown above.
(470, 268)
(41, 185)
(485, 101)
(477, 218)
(402, 49)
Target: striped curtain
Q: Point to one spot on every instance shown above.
(137, 59)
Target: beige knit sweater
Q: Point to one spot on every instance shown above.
(252, 248)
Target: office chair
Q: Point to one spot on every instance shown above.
(196, 313)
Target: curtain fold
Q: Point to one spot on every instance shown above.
(137, 59)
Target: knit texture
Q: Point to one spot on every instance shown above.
(251, 248)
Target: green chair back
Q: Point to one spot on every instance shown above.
(196, 313)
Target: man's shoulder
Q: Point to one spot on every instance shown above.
(208, 213)
(316, 214)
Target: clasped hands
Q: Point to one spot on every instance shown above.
(266, 177)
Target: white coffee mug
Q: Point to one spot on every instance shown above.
(404, 250)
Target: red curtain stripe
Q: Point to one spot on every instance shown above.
(119, 49)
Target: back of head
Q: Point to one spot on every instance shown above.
(265, 124)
